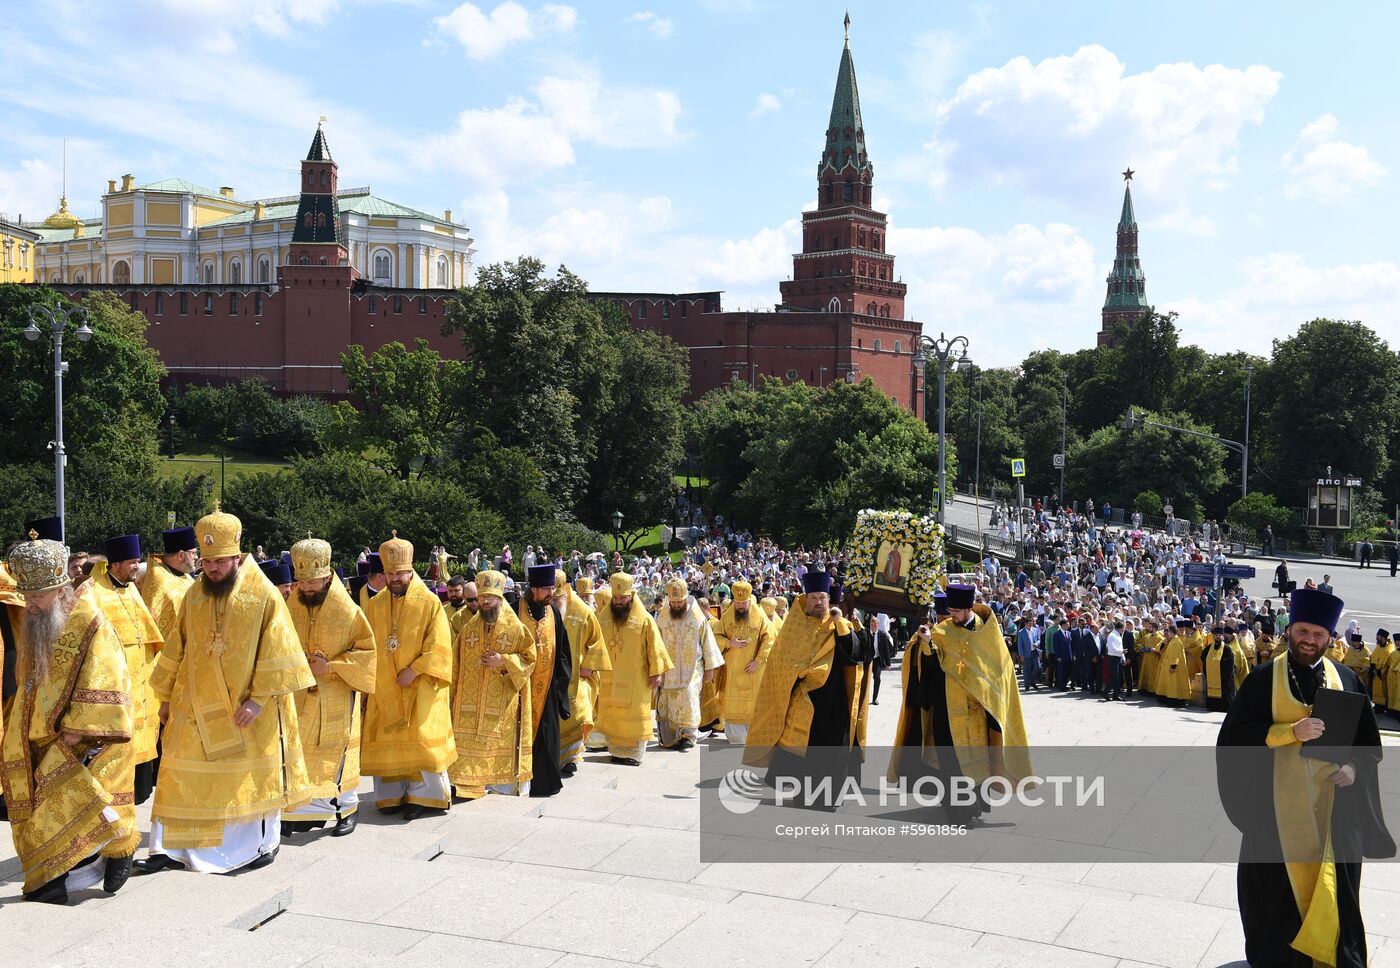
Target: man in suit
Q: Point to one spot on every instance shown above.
(1028, 648)
(1064, 655)
(1086, 650)
(880, 646)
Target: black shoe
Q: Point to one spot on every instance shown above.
(118, 873)
(412, 811)
(262, 860)
(568, 770)
(345, 825)
(874, 702)
(390, 811)
(156, 863)
(54, 892)
(684, 745)
(625, 761)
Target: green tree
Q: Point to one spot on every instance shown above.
(540, 368)
(1331, 399)
(823, 454)
(1039, 398)
(1258, 509)
(408, 406)
(974, 391)
(638, 450)
(1116, 465)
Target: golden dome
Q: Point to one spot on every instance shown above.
(62, 219)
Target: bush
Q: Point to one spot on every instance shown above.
(250, 415)
(1149, 503)
(1257, 510)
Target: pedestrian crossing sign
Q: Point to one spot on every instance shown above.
(1018, 467)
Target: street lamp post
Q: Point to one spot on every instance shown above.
(942, 349)
(57, 319)
(821, 376)
(617, 531)
(1244, 473)
(172, 436)
(1064, 425)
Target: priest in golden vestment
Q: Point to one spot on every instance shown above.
(339, 646)
(1375, 675)
(226, 681)
(639, 660)
(407, 744)
(1173, 672)
(492, 716)
(124, 769)
(1149, 646)
(961, 715)
(695, 659)
(745, 638)
(168, 577)
(809, 724)
(74, 700)
(589, 656)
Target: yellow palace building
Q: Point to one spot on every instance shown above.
(17, 252)
(174, 232)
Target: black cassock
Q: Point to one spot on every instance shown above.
(928, 690)
(1224, 657)
(547, 779)
(833, 754)
(1268, 910)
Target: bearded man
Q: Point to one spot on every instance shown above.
(1307, 822)
(226, 681)
(125, 769)
(471, 601)
(75, 700)
(690, 643)
(549, 685)
(339, 646)
(745, 639)
(587, 655)
(168, 576)
(407, 745)
(639, 661)
(492, 716)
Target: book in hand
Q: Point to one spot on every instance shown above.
(1340, 712)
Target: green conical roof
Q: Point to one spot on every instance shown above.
(1127, 284)
(845, 133)
(1127, 218)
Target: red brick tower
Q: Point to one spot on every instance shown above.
(843, 265)
(317, 276)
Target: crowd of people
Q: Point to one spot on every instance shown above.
(249, 695)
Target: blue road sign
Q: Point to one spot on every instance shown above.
(1199, 574)
(1237, 571)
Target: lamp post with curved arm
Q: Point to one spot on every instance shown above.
(949, 353)
(57, 319)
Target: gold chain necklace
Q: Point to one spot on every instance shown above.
(216, 643)
(135, 625)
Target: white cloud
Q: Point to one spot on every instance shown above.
(526, 137)
(276, 17)
(662, 27)
(1063, 127)
(766, 104)
(484, 35)
(1009, 293)
(1326, 169)
(1280, 291)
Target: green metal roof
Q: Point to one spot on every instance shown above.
(845, 132)
(360, 204)
(180, 187)
(1127, 284)
(91, 230)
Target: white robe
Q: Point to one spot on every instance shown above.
(693, 649)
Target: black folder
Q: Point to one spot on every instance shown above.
(1340, 711)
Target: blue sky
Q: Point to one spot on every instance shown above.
(673, 147)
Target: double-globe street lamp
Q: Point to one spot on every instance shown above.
(57, 319)
(949, 353)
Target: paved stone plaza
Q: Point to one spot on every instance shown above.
(608, 874)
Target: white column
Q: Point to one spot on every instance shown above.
(399, 274)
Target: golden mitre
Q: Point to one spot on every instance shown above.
(677, 590)
(219, 534)
(396, 554)
(311, 559)
(621, 583)
(584, 586)
(490, 583)
(561, 582)
(741, 590)
(38, 566)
